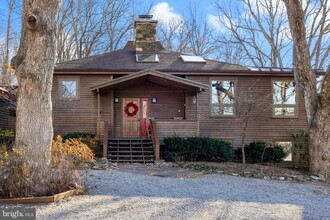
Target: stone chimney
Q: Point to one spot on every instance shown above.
(145, 36)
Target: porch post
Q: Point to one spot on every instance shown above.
(105, 140)
(112, 114)
(197, 115)
(98, 105)
(98, 125)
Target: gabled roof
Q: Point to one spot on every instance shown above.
(125, 60)
(153, 76)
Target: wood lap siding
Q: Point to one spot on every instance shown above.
(4, 115)
(169, 128)
(265, 127)
(80, 115)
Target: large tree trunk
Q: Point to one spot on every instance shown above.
(319, 143)
(317, 105)
(34, 65)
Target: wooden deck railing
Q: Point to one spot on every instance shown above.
(155, 139)
(168, 128)
(105, 139)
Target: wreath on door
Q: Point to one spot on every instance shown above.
(131, 109)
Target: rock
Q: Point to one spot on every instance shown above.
(162, 163)
(281, 178)
(315, 178)
(321, 176)
(169, 164)
(234, 174)
(159, 162)
(95, 167)
(220, 171)
(300, 178)
(104, 160)
(266, 177)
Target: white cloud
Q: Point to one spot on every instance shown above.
(214, 22)
(165, 14)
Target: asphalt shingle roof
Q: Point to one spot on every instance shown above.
(125, 60)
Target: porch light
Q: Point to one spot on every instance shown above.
(154, 100)
(194, 99)
(116, 99)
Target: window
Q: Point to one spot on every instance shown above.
(69, 88)
(284, 98)
(222, 97)
(287, 148)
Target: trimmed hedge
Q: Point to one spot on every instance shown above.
(179, 148)
(78, 135)
(257, 152)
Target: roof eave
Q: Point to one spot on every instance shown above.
(159, 77)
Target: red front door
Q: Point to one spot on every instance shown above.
(131, 117)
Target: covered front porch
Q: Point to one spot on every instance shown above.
(148, 104)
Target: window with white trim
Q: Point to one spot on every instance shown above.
(69, 88)
(222, 97)
(284, 99)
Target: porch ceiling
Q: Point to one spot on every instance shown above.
(153, 76)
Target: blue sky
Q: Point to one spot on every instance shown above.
(181, 7)
(176, 7)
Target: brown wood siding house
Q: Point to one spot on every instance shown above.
(4, 111)
(174, 90)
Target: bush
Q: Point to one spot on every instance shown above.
(19, 178)
(196, 149)
(85, 137)
(72, 150)
(78, 135)
(274, 154)
(255, 151)
(259, 152)
(7, 137)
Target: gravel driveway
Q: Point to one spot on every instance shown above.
(127, 195)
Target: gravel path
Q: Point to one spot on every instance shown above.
(126, 195)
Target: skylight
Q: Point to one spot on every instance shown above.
(147, 58)
(192, 59)
(267, 69)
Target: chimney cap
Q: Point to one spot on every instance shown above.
(146, 17)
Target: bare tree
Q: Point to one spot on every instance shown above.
(200, 34)
(34, 65)
(6, 47)
(258, 28)
(190, 34)
(317, 31)
(118, 23)
(89, 27)
(173, 34)
(261, 29)
(317, 104)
